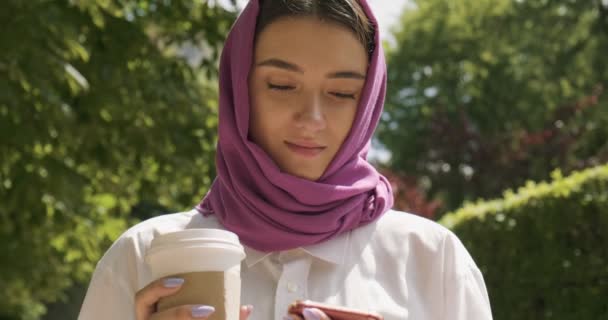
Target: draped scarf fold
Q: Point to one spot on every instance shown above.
(271, 210)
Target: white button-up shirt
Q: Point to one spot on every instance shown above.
(401, 266)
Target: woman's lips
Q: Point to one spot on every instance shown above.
(306, 150)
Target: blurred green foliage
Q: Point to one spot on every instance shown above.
(486, 94)
(106, 106)
(543, 250)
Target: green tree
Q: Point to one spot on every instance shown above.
(484, 95)
(104, 109)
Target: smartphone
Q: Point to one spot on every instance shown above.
(334, 312)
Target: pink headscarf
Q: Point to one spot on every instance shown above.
(272, 210)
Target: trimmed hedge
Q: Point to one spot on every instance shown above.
(544, 249)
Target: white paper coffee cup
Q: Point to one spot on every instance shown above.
(210, 262)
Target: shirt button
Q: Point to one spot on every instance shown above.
(292, 287)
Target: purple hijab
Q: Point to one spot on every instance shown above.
(272, 210)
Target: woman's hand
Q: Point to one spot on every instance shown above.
(146, 299)
(309, 314)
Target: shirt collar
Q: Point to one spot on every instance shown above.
(253, 256)
(331, 251)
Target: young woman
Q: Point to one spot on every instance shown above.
(302, 87)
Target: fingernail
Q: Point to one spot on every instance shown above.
(202, 311)
(249, 308)
(311, 314)
(173, 282)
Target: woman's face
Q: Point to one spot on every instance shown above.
(305, 83)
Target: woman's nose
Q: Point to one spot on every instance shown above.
(311, 116)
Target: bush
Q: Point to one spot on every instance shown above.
(543, 250)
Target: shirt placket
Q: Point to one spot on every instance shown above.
(292, 284)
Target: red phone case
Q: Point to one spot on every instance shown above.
(334, 312)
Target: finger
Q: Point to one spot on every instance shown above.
(198, 312)
(146, 298)
(314, 314)
(245, 312)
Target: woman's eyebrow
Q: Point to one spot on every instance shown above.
(282, 64)
(347, 75)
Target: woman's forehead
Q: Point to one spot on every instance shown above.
(307, 41)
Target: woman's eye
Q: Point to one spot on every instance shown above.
(279, 87)
(344, 95)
